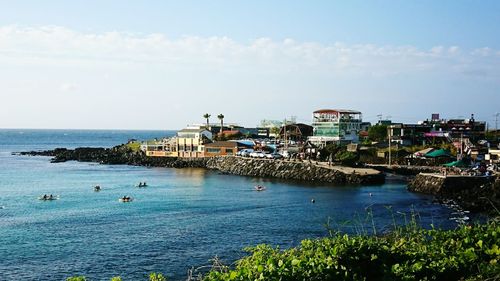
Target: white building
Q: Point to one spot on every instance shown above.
(335, 126)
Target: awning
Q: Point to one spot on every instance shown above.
(438, 153)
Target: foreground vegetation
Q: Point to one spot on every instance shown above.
(407, 253)
(412, 253)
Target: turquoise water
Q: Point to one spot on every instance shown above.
(182, 219)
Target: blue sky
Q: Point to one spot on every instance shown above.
(162, 64)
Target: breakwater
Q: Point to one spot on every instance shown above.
(289, 170)
(406, 170)
(475, 193)
(294, 170)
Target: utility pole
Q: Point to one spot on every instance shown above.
(496, 125)
(284, 128)
(389, 140)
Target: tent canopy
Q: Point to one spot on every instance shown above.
(424, 151)
(458, 163)
(438, 153)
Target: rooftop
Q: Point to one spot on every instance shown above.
(349, 111)
(222, 144)
(192, 130)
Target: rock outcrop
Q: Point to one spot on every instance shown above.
(472, 193)
(290, 170)
(116, 155)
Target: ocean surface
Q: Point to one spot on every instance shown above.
(182, 219)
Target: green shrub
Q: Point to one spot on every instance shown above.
(157, 277)
(409, 254)
(76, 278)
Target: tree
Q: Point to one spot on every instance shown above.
(377, 133)
(329, 151)
(221, 118)
(207, 116)
(275, 131)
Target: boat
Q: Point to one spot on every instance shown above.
(260, 188)
(97, 188)
(126, 199)
(46, 197)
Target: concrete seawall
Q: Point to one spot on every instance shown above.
(475, 193)
(292, 170)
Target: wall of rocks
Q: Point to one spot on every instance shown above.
(470, 192)
(290, 170)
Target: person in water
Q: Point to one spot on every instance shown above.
(45, 197)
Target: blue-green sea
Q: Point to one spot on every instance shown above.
(181, 220)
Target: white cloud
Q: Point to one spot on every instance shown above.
(67, 87)
(59, 45)
(139, 81)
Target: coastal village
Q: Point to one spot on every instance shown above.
(340, 136)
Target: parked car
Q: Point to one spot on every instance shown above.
(274, 156)
(245, 152)
(257, 154)
(285, 154)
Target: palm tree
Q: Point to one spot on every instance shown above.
(221, 118)
(207, 116)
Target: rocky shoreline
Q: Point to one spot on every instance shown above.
(118, 155)
(289, 170)
(473, 193)
(479, 194)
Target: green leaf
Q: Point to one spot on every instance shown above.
(480, 243)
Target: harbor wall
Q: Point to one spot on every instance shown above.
(290, 170)
(475, 193)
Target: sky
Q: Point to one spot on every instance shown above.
(108, 64)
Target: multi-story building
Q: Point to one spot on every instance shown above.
(190, 142)
(335, 126)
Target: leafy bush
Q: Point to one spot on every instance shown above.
(412, 254)
(152, 277)
(76, 278)
(157, 277)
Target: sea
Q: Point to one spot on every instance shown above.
(183, 219)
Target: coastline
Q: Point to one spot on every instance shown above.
(283, 169)
(477, 196)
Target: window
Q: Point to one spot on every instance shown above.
(229, 150)
(213, 150)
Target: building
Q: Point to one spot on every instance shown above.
(165, 148)
(190, 142)
(458, 128)
(295, 132)
(220, 148)
(413, 134)
(335, 126)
